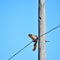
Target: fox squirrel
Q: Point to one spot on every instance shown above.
(34, 38)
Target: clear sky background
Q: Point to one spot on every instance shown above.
(18, 18)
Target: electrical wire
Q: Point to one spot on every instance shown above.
(32, 41)
(19, 50)
(50, 30)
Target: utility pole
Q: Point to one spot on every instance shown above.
(41, 30)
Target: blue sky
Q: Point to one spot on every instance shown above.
(18, 18)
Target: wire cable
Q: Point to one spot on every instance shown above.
(19, 50)
(51, 30)
(32, 41)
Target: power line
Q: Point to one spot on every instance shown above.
(50, 30)
(19, 50)
(32, 41)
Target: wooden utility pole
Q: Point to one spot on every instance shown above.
(41, 30)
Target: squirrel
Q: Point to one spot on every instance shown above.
(34, 38)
